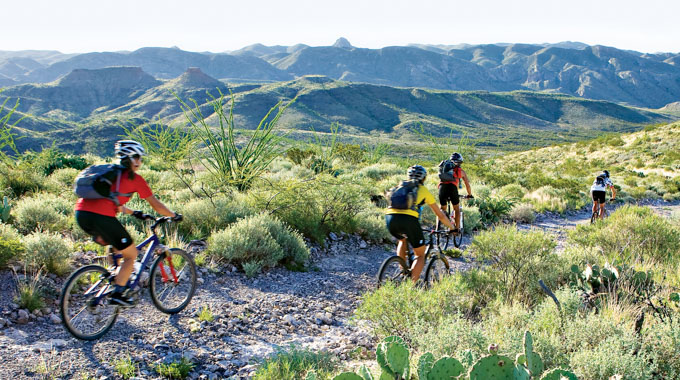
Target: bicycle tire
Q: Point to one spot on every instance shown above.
(437, 268)
(163, 290)
(392, 269)
(443, 240)
(458, 238)
(77, 282)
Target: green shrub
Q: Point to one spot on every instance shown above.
(201, 216)
(522, 213)
(18, 182)
(295, 363)
(175, 370)
(9, 249)
(380, 171)
(315, 207)
(371, 226)
(511, 191)
(662, 339)
(618, 355)
(47, 250)
(125, 367)
(29, 293)
(8, 232)
(261, 239)
(493, 210)
(630, 234)
(44, 212)
(50, 159)
(547, 198)
(473, 219)
(517, 259)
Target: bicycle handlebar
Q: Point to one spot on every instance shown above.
(157, 221)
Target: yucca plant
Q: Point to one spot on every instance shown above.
(231, 163)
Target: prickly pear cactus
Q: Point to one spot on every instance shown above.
(346, 376)
(558, 374)
(532, 360)
(445, 368)
(397, 356)
(425, 364)
(386, 376)
(493, 367)
(380, 353)
(5, 207)
(365, 373)
(311, 375)
(520, 373)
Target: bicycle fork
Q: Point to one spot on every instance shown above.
(164, 274)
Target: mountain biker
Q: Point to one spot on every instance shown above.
(448, 189)
(404, 225)
(97, 217)
(598, 192)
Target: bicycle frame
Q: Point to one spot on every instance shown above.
(154, 244)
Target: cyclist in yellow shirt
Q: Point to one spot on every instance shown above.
(404, 224)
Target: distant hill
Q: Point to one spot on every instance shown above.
(94, 102)
(572, 68)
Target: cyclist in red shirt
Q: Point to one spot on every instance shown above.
(97, 217)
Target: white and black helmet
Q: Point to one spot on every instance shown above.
(457, 158)
(417, 173)
(128, 148)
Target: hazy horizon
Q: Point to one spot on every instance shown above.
(213, 26)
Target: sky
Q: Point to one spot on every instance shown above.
(78, 26)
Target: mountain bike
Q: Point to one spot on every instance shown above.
(456, 238)
(84, 302)
(595, 215)
(396, 270)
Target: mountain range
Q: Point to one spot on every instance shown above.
(86, 109)
(592, 72)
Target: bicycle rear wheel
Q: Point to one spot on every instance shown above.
(458, 238)
(173, 281)
(84, 306)
(443, 240)
(393, 270)
(436, 270)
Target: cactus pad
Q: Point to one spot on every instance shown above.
(445, 368)
(520, 373)
(558, 374)
(397, 359)
(347, 376)
(492, 367)
(425, 364)
(365, 373)
(380, 350)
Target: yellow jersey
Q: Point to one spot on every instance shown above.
(424, 196)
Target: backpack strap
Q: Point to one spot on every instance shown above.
(116, 194)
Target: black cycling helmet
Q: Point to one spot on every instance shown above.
(606, 173)
(417, 173)
(457, 158)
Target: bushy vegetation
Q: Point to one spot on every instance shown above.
(295, 364)
(48, 250)
(256, 242)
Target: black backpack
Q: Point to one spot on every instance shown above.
(403, 196)
(95, 182)
(600, 180)
(446, 168)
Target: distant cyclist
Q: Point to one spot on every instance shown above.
(97, 217)
(402, 219)
(598, 191)
(450, 174)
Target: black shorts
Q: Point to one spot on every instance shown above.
(448, 192)
(405, 226)
(599, 196)
(108, 228)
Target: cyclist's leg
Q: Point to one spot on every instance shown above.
(419, 262)
(455, 202)
(402, 248)
(443, 198)
(602, 210)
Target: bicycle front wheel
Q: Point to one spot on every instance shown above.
(393, 270)
(458, 238)
(436, 270)
(173, 281)
(84, 305)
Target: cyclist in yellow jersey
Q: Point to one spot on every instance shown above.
(404, 225)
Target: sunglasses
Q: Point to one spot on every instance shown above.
(136, 157)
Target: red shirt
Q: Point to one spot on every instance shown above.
(105, 206)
